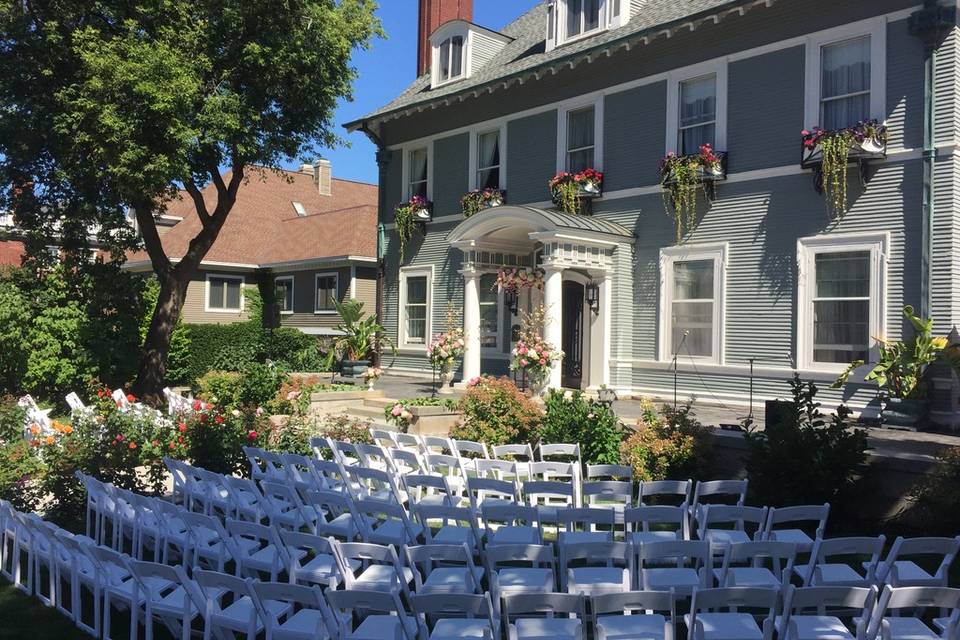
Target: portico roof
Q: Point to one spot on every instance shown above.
(535, 222)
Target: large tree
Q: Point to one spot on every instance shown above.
(115, 106)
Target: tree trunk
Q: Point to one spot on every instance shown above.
(156, 345)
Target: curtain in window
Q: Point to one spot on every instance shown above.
(698, 113)
(692, 311)
(845, 83)
(456, 57)
(488, 160)
(284, 297)
(445, 60)
(580, 139)
(591, 15)
(574, 14)
(326, 293)
(417, 309)
(841, 307)
(418, 173)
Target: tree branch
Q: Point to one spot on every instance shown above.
(151, 240)
(198, 202)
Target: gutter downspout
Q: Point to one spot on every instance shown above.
(383, 161)
(931, 24)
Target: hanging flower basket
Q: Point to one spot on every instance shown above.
(480, 199)
(683, 178)
(407, 215)
(571, 190)
(830, 153)
(515, 280)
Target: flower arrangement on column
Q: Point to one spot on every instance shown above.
(444, 352)
(533, 355)
(569, 189)
(682, 178)
(513, 280)
(405, 217)
(479, 199)
(834, 151)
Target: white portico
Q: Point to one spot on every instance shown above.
(576, 255)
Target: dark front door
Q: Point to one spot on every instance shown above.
(572, 345)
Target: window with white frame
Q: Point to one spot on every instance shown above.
(284, 288)
(415, 293)
(845, 83)
(692, 302)
(224, 293)
(417, 166)
(569, 20)
(450, 59)
(325, 300)
(488, 160)
(841, 305)
(698, 114)
(583, 16)
(846, 75)
(581, 138)
(490, 311)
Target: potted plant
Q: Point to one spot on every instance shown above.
(830, 153)
(407, 215)
(568, 190)
(357, 337)
(479, 199)
(533, 355)
(899, 372)
(443, 353)
(682, 177)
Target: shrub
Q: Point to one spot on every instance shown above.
(572, 417)
(497, 412)
(255, 386)
(803, 459)
(21, 471)
(14, 325)
(672, 445)
(399, 413)
(220, 387)
(934, 508)
(295, 434)
(227, 347)
(216, 436)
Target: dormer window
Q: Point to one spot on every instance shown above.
(569, 20)
(450, 59)
(583, 16)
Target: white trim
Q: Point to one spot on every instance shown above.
(223, 276)
(353, 281)
(441, 35)
(564, 108)
(717, 68)
(407, 150)
(474, 167)
(293, 300)
(405, 274)
(668, 256)
(878, 244)
(314, 262)
(336, 291)
(876, 29)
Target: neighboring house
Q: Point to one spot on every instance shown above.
(13, 246)
(313, 235)
(765, 282)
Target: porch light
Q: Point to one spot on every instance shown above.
(592, 293)
(512, 299)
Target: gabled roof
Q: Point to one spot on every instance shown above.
(264, 228)
(526, 55)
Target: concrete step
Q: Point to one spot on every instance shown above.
(380, 403)
(362, 411)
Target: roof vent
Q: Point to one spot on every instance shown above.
(300, 209)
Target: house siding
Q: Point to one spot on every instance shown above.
(451, 159)
(760, 215)
(194, 305)
(304, 288)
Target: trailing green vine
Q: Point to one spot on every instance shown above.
(566, 195)
(568, 189)
(404, 217)
(682, 177)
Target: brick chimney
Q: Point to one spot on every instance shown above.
(434, 13)
(323, 176)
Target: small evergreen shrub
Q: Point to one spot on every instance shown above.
(804, 458)
(671, 445)
(497, 412)
(571, 417)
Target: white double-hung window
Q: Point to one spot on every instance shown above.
(416, 287)
(325, 300)
(841, 304)
(450, 59)
(698, 114)
(583, 16)
(284, 286)
(418, 172)
(488, 160)
(692, 286)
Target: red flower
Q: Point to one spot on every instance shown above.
(203, 418)
(133, 445)
(173, 445)
(218, 419)
(131, 397)
(120, 438)
(183, 427)
(252, 435)
(156, 443)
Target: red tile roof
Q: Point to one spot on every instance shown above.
(264, 227)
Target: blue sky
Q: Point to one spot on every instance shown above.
(388, 67)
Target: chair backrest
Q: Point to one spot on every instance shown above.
(457, 606)
(535, 555)
(817, 513)
(607, 493)
(345, 603)
(293, 595)
(471, 449)
(323, 448)
(720, 492)
(438, 445)
(346, 452)
(296, 542)
(553, 470)
(587, 519)
(733, 599)
(332, 475)
(664, 491)
(409, 441)
(480, 489)
(509, 515)
(605, 554)
(568, 452)
(375, 482)
(548, 605)
(74, 402)
(781, 556)
(214, 583)
(283, 499)
(848, 603)
(847, 551)
(443, 464)
(710, 516)
(693, 553)
(407, 461)
(897, 600)
(375, 512)
(519, 452)
(541, 492)
(330, 505)
(498, 469)
(942, 549)
(383, 437)
(424, 558)
(420, 486)
(598, 472)
(634, 603)
(374, 455)
(448, 516)
(147, 573)
(299, 470)
(647, 517)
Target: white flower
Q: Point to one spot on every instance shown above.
(235, 413)
(568, 395)
(406, 415)
(532, 354)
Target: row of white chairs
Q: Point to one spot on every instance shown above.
(373, 606)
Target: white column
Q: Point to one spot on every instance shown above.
(600, 335)
(553, 330)
(471, 324)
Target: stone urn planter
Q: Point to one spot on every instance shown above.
(354, 368)
(446, 379)
(903, 413)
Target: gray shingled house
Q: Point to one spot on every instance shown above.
(766, 278)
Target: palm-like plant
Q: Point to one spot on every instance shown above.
(358, 331)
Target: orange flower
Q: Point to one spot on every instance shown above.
(34, 429)
(133, 445)
(51, 439)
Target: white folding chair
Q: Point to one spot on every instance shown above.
(664, 492)
(307, 616)
(430, 490)
(715, 614)
(312, 560)
(656, 523)
(443, 569)
(456, 615)
(757, 564)
(491, 492)
(725, 492)
(285, 509)
(833, 561)
(634, 615)
(826, 613)
(901, 613)
(549, 497)
(336, 515)
(376, 484)
(372, 615)
(388, 523)
(722, 525)
(116, 587)
(222, 619)
(509, 470)
(371, 567)
(262, 549)
(166, 594)
(816, 515)
(680, 566)
(521, 568)
(583, 524)
(596, 568)
(83, 577)
(407, 461)
(532, 616)
(899, 570)
(614, 495)
(75, 403)
(511, 524)
(384, 438)
(454, 525)
(561, 451)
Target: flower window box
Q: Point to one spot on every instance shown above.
(682, 178)
(481, 199)
(574, 192)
